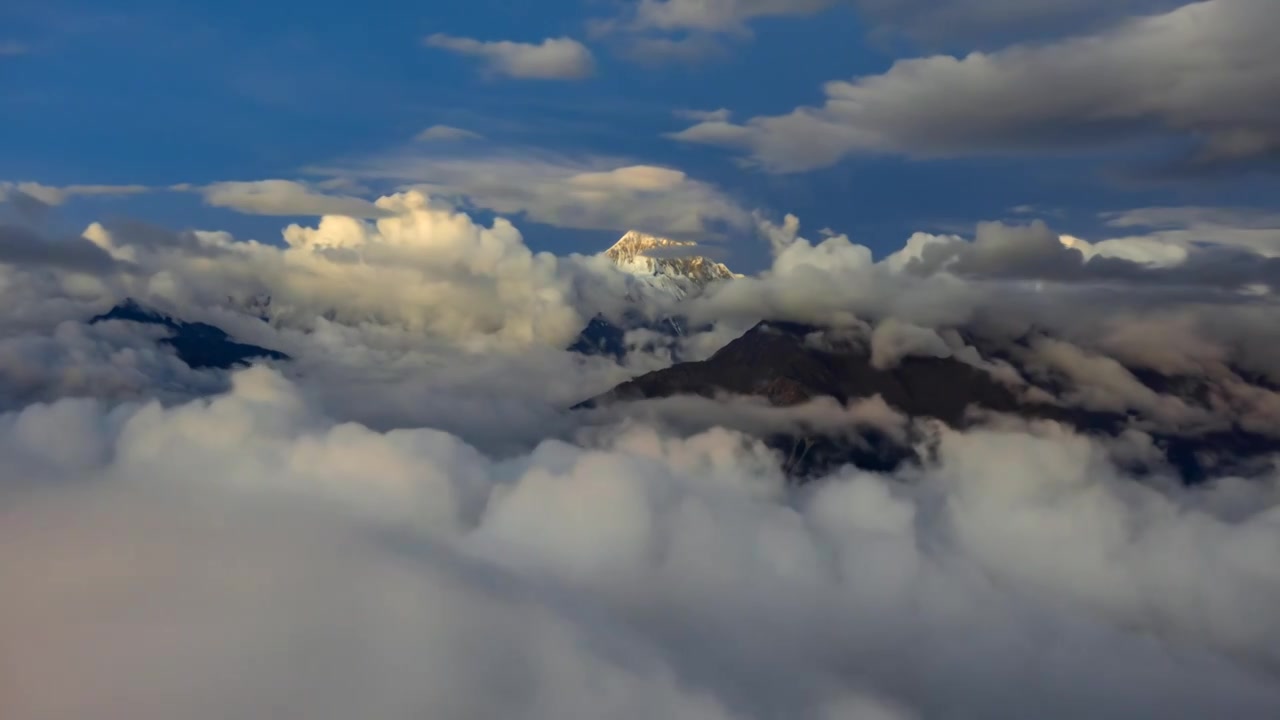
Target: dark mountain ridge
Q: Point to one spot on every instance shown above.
(197, 344)
(789, 363)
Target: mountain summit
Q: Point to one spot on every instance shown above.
(670, 268)
(669, 264)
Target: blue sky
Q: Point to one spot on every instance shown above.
(141, 92)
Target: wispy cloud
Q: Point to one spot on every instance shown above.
(553, 59)
(446, 133)
(57, 195)
(591, 193)
(285, 197)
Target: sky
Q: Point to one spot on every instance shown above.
(861, 116)
(410, 515)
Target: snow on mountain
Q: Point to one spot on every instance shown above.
(668, 265)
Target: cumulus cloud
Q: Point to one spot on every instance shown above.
(446, 133)
(553, 59)
(285, 197)
(587, 194)
(1131, 82)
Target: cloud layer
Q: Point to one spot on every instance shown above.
(233, 555)
(405, 520)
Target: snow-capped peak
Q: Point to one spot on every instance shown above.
(670, 264)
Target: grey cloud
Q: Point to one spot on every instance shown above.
(23, 246)
(1035, 252)
(1201, 72)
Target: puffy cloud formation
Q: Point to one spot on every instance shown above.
(1120, 84)
(245, 553)
(423, 317)
(552, 59)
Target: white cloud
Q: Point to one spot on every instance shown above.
(1185, 228)
(57, 195)
(553, 59)
(446, 133)
(285, 197)
(1135, 81)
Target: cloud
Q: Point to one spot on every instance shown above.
(55, 195)
(446, 133)
(285, 197)
(13, 49)
(553, 59)
(1126, 84)
(587, 194)
(1189, 227)
(25, 247)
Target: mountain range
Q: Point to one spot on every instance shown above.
(786, 364)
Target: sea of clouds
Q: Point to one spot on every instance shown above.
(405, 521)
